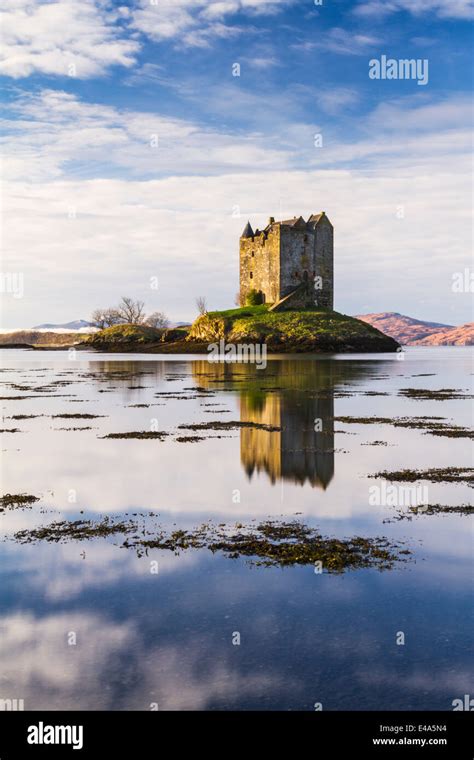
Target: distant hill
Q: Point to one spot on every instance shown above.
(415, 332)
(77, 324)
(454, 336)
(41, 338)
(83, 326)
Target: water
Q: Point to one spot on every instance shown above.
(91, 625)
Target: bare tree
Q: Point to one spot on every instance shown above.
(113, 317)
(98, 319)
(102, 318)
(157, 319)
(130, 311)
(201, 304)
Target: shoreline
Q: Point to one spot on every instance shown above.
(187, 347)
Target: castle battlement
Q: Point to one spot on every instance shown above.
(286, 259)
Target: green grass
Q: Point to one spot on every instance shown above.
(302, 324)
(245, 311)
(298, 329)
(296, 322)
(127, 334)
(263, 311)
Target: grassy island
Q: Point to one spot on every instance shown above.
(292, 331)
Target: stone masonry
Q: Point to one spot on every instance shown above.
(290, 263)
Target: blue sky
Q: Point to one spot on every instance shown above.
(135, 155)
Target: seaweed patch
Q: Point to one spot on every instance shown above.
(17, 501)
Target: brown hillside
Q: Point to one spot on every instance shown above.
(453, 336)
(35, 338)
(406, 330)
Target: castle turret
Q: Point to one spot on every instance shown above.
(248, 231)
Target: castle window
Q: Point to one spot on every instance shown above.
(305, 238)
(251, 275)
(253, 254)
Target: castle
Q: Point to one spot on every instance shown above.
(289, 263)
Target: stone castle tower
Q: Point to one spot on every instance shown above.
(290, 263)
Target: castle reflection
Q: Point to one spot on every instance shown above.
(302, 451)
(295, 396)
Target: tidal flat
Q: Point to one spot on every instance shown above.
(156, 551)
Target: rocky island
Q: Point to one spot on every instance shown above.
(290, 331)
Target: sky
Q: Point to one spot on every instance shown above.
(139, 137)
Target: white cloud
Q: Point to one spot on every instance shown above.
(37, 665)
(460, 9)
(83, 40)
(450, 683)
(205, 36)
(339, 41)
(264, 62)
(336, 99)
(55, 129)
(62, 38)
(139, 214)
(195, 23)
(219, 8)
(103, 565)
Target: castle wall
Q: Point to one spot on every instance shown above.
(307, 454)
(260, 265)
(324, 248)
(297, 257)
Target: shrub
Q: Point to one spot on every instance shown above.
(254, 298)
